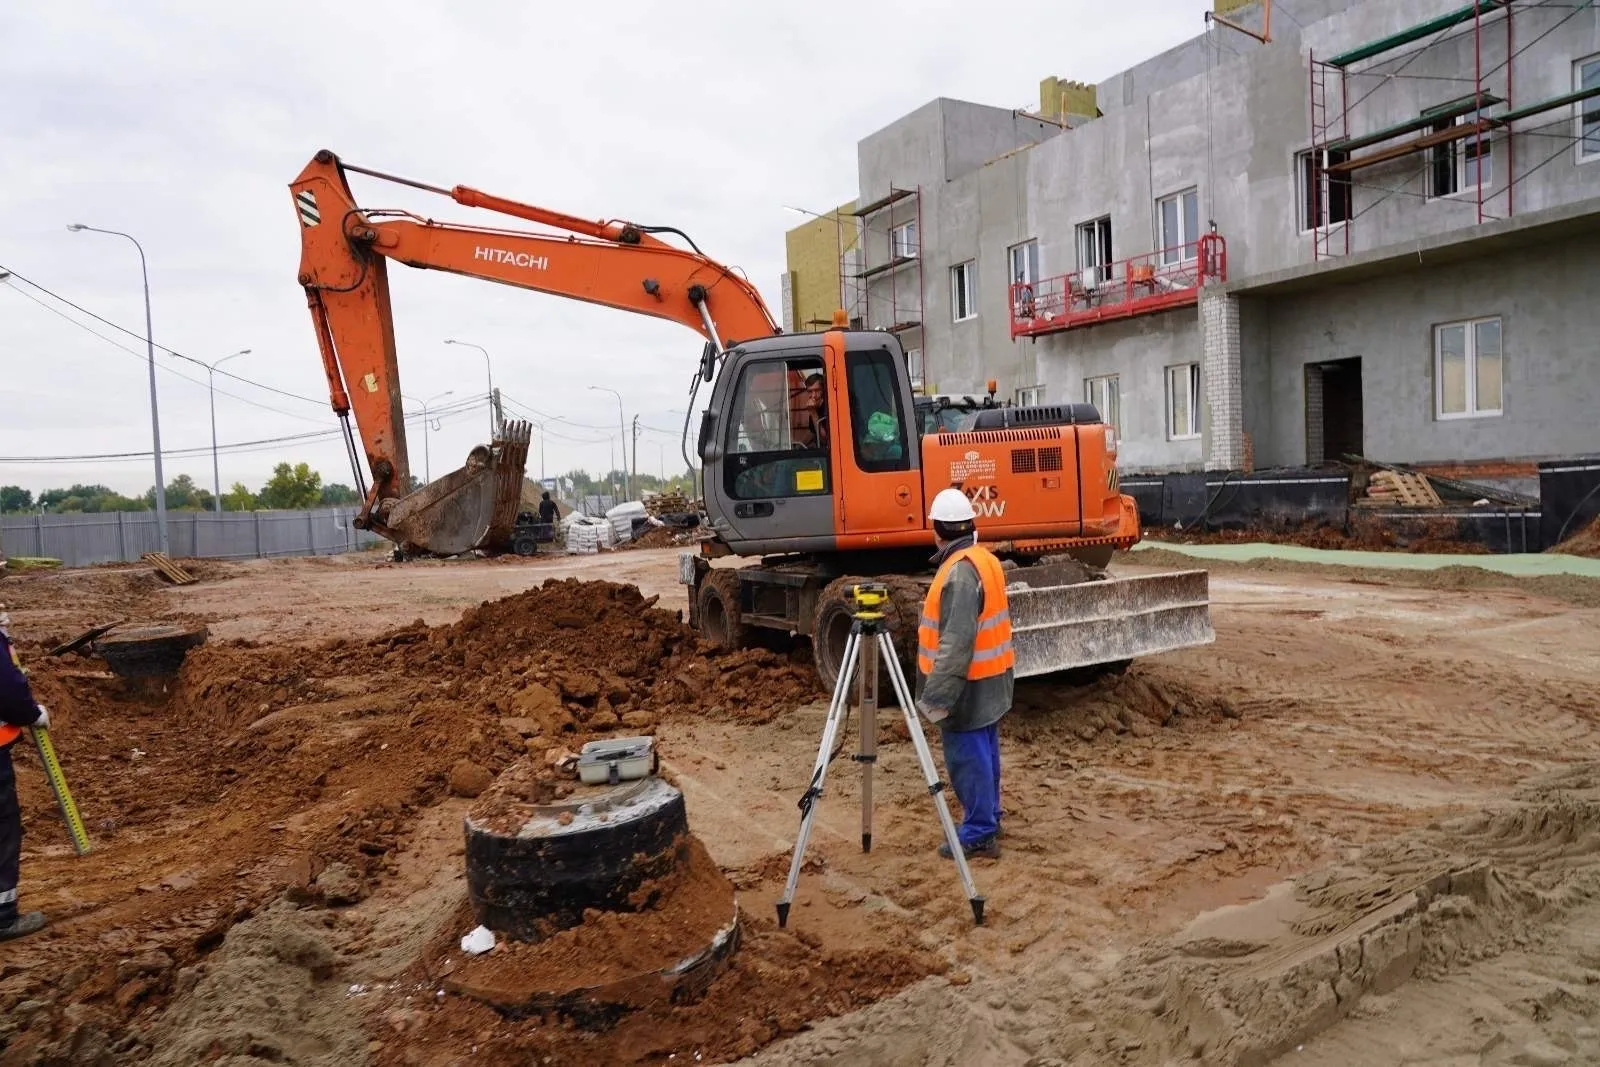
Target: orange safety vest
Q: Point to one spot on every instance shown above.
(992, 653)
(9, 733)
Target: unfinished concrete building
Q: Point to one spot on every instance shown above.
(1372, 232)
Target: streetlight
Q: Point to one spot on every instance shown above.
(494, 426)
(427, 465)
(622, 426)
(155, 417)
(211, 383)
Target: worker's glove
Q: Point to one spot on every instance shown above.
(933, 715)
(44, 717)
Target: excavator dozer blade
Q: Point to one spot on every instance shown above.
(1057, 627)
(463, 509)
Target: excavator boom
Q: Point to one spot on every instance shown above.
(345, 251)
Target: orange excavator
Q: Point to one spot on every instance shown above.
(817, 458)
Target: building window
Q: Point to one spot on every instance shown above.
(1459, 165)
(1105, 393)
(1586, 75)
(1325, 199)
(963, 291)
(1466, 369)
(1094, 252)
(915, 369)
(903, 241)
(1183, 401)
(1030, 396)
(1179, 217)
(1024, 262)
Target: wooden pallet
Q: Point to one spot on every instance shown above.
(1406, 490)
(168, 569)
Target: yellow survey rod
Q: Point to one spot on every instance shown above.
(58, 786)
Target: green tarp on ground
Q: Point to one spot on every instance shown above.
(1524, 565)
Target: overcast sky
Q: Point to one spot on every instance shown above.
(182, 123)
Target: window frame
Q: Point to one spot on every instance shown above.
(1105, 270)
(1187, 248)
(966, 270)
(1469, 328)
(1030, 261)
(783, 423)
(1456, 152)
(1192, 383)
(853, 361)
(1114, 419)
(1029, 396)
(1579, 109)
(916, 369)
(913, 248)
(1303, 161)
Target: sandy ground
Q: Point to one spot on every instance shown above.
(1330, 720)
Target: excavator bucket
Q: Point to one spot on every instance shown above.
(473, 507)
(1060, 622)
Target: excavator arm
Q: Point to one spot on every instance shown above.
(345, 251)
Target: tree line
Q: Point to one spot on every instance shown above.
(292, 487)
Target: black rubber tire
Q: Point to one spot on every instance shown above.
(830, 628)
(1096, 556)
(719, 615)
(539, 880)
(525, 545)
(149, 651)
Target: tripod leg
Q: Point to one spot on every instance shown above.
(930, 773)
(868, 689)
(819, 773)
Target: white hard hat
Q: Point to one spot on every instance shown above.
(951, 505)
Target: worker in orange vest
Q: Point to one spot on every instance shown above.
(17, 712)
(966, 667)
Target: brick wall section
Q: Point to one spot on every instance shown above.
(1313, 415)
(1220, 377)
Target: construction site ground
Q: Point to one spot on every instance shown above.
(277, 872)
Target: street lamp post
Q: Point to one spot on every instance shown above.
(427, 463)
(494, 425)
(211, 382)
(155, 416)
(622, 426)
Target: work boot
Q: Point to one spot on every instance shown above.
(22, 926)
(988, 849)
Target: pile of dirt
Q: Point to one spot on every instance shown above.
(1568, 588)
(1433, 537)
(676, 917)
(1136, 702)
(658, 537)
(1250, 983)
(1586, 542)
(558, 662)
(267, 996)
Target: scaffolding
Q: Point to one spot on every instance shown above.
(1457, 135)
(898, 269)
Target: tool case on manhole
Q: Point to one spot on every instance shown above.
(617, 759)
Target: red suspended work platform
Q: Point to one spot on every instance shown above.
(1165, 279)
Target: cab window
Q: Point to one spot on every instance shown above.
(877, 419)
(776, 439)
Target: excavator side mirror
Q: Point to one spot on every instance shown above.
(708, 362)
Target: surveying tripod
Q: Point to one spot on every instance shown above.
(868, 623)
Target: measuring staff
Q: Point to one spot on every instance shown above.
(17, 712)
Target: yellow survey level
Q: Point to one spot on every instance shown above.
(58, 785)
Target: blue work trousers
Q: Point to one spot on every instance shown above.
(972, 759)
(10, 838)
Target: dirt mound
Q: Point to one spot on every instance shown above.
(1136, 702)
(267, 996)
(561, 661)
(1586, 542)
(678, 916)
(1245, 984)
(658, 537)
(1371, 536)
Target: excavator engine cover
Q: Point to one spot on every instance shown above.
(473, 507)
